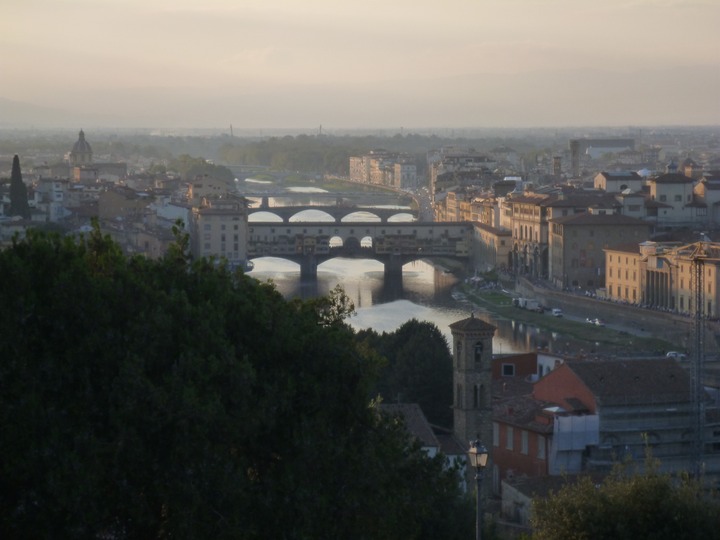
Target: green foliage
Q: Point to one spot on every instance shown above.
(174, 398)
(190, 167)
(18, 192)
(627, 506)
(418, 368)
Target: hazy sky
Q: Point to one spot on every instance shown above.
(375, 63)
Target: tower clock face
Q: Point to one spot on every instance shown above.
(478, 351)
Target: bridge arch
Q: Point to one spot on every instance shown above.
(311, 214)
(264, 216)
(367, 216)
(401, 217)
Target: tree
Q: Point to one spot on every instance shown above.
(18, 192)
(418, 368)
(176, 398)
(627, 506)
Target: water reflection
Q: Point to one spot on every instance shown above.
(425, 293)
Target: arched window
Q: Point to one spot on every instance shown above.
(478, 351)
(458, 348)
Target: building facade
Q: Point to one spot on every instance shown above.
(666, 276)
(219, 229)
(577, 244)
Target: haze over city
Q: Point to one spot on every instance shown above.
(402, 63)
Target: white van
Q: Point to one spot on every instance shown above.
(557, 312)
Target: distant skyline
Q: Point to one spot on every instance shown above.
(349, 64)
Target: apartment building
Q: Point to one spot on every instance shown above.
(451, 168)
(577, 244)
(529, 232)
(219, 229)
(384, 168)
(675, 191)
(618, 181)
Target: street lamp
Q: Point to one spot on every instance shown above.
(478, 456)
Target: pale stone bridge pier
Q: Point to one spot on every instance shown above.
(392, 243)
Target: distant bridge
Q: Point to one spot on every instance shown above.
(392, 243)
(338, 213)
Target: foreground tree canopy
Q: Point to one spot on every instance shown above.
(418, 368)
(628, 505)
(158, 399)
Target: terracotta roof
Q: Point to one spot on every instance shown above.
(625, 248)
(449, 445)
(473, 324)
(522, 411)
(534, 198)
(634, 381)
(583, 200)
(672, 178)
(415, 421)
(621, 175)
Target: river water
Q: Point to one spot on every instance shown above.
(427, 292)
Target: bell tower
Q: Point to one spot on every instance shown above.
(472, 381)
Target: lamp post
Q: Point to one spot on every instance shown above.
(478, 456)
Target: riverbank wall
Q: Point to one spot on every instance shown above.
(677, 329)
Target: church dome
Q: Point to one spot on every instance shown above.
(81, 146)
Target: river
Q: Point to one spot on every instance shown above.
(427, 293)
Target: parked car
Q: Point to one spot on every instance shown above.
(599, 322)
(557, 312)
(675, 355)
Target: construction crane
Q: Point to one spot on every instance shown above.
(700, 254)
(697, 280)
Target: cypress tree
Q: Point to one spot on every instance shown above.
(18, 192)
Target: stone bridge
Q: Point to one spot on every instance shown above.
(337, 212)
(393, 243)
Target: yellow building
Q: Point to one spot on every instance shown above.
(622, 274)
(665, 276)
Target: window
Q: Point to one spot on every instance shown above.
(524, 442)
(541, 447)
(663, 198)
(509, 435)
(508, 370)
(678, 198)
(478, 351)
